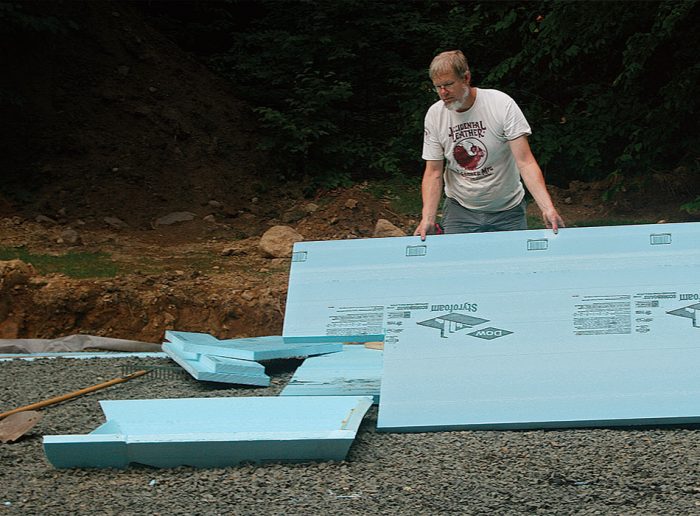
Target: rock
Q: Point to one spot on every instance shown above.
(209, 218)
(351, 204)
(115, 222)
(15, 272)
(215, 204)
(310, 207)
(174, 218)
(70, 236)
(234, 251)
(44, 218)
(278, 241)
(384, 228)
(292, 216)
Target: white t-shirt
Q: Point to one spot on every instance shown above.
(480, 170)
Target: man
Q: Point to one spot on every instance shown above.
(480, 136)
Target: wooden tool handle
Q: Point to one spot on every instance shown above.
(75, 394)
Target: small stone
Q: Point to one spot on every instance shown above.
(70, 236)
(351, 204)
(115, 222)
(44, 218)
(174, 218)
(310, 207)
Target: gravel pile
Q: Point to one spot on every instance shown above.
(591, 471)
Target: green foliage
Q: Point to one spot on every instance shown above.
(692, 207)
(403, 194)
(341, 87)
(16, 17)
(611, 222)
(72, 264)
(328, 99)
(605, 86)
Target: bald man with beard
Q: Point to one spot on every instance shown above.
(476, 150)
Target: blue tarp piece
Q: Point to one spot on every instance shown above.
(214, 432)
(355, 371)
(255, 348)
(521, 329)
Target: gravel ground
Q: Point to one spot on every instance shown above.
(591, 471)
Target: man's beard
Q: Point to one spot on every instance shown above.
(459, 104)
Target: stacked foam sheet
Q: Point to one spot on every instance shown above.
(354, 371)
(522, 329)
(213, 432)
(207, 358)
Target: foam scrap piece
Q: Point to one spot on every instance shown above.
(214, 432)
(255, 348)
(217, 369)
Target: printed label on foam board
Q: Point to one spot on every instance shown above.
(587, 315)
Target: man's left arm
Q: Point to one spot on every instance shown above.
(534, 181)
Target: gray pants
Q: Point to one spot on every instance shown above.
(458, 219)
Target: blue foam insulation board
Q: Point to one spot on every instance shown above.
(255, 348)
(521, 329)
(213, 432)
(354, 371)
(217, 369)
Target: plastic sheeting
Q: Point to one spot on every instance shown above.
(74, 343)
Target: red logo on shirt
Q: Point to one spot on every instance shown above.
(470, 154)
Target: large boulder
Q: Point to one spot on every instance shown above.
(384, 228)
(278, 241)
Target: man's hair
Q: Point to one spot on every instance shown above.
(447, 62)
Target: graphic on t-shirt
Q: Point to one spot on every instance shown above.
(470, 153)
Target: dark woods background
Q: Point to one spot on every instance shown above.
(340, 87)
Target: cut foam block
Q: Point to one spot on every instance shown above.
(213, 432)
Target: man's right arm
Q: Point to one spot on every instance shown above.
(431, 190)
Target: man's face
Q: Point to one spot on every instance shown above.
(453, 90)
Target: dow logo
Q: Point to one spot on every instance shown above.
(490, 333)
